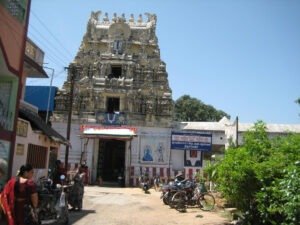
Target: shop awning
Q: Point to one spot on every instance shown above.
(37, 123)
(94, 131)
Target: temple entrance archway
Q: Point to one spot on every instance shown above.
(111, 160)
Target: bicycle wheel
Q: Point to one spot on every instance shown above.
(178, 201)
(206, 202)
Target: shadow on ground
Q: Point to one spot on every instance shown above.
(77, 215)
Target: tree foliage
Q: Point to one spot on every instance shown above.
(262, 177)
(192, 109)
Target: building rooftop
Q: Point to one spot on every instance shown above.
(224, 123)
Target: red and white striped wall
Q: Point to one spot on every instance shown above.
(165, 173)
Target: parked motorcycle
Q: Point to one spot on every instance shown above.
(53, 203)
(168, 190)
(192, 195)
(144, 182)
(184, 197)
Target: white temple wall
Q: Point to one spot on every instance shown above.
(177, 159)
(76, 144)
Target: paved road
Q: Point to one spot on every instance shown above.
(130, 206)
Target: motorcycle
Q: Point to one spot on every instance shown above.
(168, 190)
(144, 183)
(192, 194)
(53, 203)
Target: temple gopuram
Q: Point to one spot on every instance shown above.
(118, 76)
(122, 104)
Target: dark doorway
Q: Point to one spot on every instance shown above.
(111, 160)
(113, 105)
(116, 71)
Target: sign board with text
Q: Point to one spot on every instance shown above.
(191, 140)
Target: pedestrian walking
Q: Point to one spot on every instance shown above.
(157, 183)
(20, 199)
(77, 190)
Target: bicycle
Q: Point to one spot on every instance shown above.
(191, 195)
(205, 200)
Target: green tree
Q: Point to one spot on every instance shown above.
(261, 177)
(192, 109)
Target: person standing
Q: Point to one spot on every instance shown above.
(157, 183)
(20, 194)
(77, 191)
(58, 171)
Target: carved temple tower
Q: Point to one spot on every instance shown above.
(119, 77)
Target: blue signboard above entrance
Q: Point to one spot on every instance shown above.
(191, 141)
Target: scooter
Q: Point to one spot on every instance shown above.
(53, 203)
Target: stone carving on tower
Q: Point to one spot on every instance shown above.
(119, 77)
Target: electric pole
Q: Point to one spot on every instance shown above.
(237, 131)
(73, 72)
(49, 93)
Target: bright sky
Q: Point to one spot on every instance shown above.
(242, 57)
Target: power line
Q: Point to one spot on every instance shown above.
(61, 45)
(37, 80)
(15, 32)
(52, 55)
(48, 42)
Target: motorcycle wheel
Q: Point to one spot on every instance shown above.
(178, 201)
(166, 200)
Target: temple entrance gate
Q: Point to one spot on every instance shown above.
(111, 159)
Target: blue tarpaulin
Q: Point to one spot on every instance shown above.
(39, 95)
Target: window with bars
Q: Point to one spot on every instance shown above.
(37, 156)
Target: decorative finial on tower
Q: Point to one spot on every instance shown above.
(114, 19)
(123, 17)
(131, 20)
(148, 16)
(105, 18)
(140, 19)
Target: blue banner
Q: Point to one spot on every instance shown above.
(191, 141)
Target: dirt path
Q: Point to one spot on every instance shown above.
(127, 206)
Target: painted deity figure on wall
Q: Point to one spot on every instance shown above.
(147, 153)
(160, 152)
